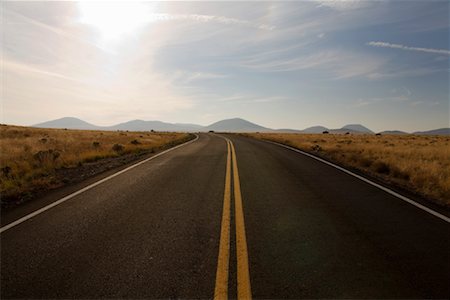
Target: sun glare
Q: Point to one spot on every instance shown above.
(114, 19)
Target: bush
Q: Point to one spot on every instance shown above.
(135, 142)
(316, 148)
(46, 155)
(381, 167)
(118, 147)
(6, 171)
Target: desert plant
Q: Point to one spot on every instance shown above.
(46, 156)
(118, 148)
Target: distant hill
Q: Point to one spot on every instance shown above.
(286, 130)
(134, 125)
(236, 125)
(315, 129)
(358, 128)
(351, 128)
(228, 125)
(69, 123)
(140, 125)
(440, 131)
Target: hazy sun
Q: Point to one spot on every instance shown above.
(114, 19)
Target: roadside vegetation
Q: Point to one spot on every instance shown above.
(31, 158)
(420, 164)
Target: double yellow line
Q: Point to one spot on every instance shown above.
(243, 274)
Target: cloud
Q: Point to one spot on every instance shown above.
(407, 48)
(408, 71)
(246, 98)
(402, 96)
(343, 4)
(13, 66)
(362, 102)
(188, 77)
(339, 64)
(209, 18)
(10, 15)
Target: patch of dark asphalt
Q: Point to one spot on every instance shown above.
(64, 177)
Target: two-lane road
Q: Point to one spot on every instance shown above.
(155, 231)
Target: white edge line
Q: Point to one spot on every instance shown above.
(53, 204)
(418, 205)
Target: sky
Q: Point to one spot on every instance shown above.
(295, 64)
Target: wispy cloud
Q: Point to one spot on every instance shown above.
(343, 4)
(247, 98)
(13, 66)
(408, 48)
(402, 72)
(361, 102)
(188, 77)
(402, 96)
(339, 64)
(209, 18)
(12, 15)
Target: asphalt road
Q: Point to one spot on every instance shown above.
(154, 231)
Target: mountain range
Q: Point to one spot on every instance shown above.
(228, 125)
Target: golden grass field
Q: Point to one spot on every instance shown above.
(29, 156)
(420, 164)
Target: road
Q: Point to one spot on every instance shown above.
(292, 227)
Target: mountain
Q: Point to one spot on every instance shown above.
(393, 132)
(236, 125)
(440, 131)
(69, 123)
(140, 125)
(228, 125)
(351, 128)
(315, 129)
(286, 130)
(357, 127)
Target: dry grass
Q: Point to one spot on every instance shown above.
(29, 157)
(418, 163)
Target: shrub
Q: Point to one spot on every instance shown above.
(381, 167)
(365, 162)
(316, 148)
(6, 171)
(118, 147)
(46, 156)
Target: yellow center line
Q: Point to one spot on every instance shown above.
(221, 290)
(243, 274)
